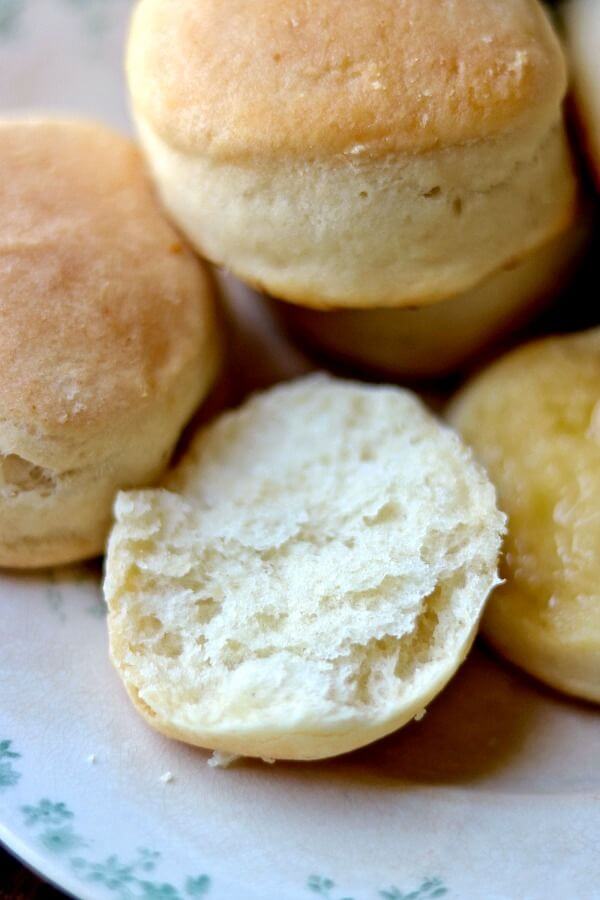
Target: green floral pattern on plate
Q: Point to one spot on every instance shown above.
(52, 820)
(429, 889)
(126, 880)
(8, 774)
(54, 826)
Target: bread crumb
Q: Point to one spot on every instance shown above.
(222, 760)
(91, 759)
(294, 22)
(420, 715)
(268, 760)
(167, 777)
(552, 602)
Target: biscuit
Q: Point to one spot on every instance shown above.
(533, 419)
(582, 20)
(379, 153)
(436, 340)
(311, 577)
(108, 336)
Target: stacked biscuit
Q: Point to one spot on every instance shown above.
(403, 164)
(396, 176)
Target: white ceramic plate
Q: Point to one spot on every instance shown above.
(495, 795)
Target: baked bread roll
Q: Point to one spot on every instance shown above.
(533, 419)
(582, 18)
(437, 339)
(310, 580)
(108, 337)
(378, 153)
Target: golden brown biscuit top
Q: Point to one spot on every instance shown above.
(239, 78)
(101, 304)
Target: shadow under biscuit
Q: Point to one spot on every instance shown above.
(491, 729)
(472, 729)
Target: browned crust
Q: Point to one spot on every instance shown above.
(269, 78)
(103, 306)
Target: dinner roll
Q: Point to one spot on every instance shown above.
(310, 580)
(437, 339)
(582, 19)
(534, 420)
(108, 337)
(365, 154)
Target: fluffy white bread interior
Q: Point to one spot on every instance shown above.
(108, 336)
(533, 419)
(435, 340)
(365, 154)
(311, 577)
(582, 19)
